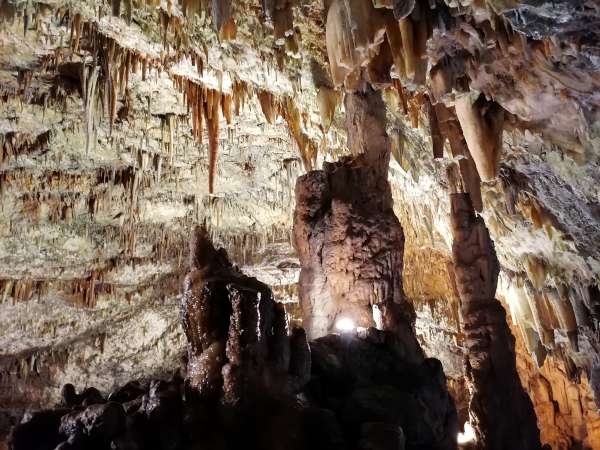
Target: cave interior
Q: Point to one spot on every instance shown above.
(299, 224)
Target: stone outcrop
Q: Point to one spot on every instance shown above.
(381, 394)
(237, 334)
(349, 241)
(251, 384)
(366, 391)
(562, 398)
(500, 410)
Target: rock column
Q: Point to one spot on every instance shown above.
(349, 241)
(500, 410)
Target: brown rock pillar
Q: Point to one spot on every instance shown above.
(500, 410)
(348, 239)
(238, 343)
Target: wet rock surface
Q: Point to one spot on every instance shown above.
(383, 396)
(238, 341)
(363, 393)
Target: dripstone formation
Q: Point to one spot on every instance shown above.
(238, 343)
(501, 411)
(349, 241)
(252, 384)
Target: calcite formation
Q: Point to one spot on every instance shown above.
(364, 391)
(349, 241)
(491, 372)
(368, 390)
(238, 343)
(364, 378)
(104, 170)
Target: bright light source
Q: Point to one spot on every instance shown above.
(377, 317)
(345, 325)
(467, 436)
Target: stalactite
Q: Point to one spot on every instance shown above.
(190, 7)
(542, 317)
(283, 19)
(223, 20)
(293, 118)
(408, 45)
(328, 100)
(450, 129)
(226, 102)
(354, 33)
(536, 270)
(116, 7)
(269, 106)
(482, 125)
(90, 106)
(211, 110)
(437, 140)
(14, 143)
(565, 315)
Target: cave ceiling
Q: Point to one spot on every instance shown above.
(124, 124)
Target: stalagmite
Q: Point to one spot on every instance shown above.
(231, 324)
(105, 108)
(491, 373)
(343, 218)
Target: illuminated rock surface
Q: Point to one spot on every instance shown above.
(250, 384)
(118, 117)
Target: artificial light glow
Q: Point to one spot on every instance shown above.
(345, 325)
(467, 436)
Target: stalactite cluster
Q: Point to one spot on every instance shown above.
(101, 165)
(207, 105)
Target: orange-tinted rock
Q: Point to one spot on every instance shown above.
(491, 371)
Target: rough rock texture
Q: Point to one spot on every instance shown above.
(562, 398)
(237, 334)
(375, 377)
(366, 391)
(349, 241)
(491, 372)
(391, 402)
(89, 268)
